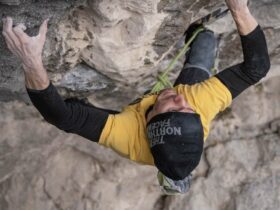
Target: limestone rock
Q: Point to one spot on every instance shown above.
(10, 2)
(111, 52)
(81, 78)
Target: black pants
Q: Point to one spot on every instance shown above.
(191, 75)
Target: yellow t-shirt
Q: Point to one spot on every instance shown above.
(126, 132)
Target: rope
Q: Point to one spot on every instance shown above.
(163, 80)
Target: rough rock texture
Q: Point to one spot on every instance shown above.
(110, 52)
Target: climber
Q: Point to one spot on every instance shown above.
(166, 129)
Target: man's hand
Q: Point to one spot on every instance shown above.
(242, 16)
(28, 49)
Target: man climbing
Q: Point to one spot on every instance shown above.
(166, 129)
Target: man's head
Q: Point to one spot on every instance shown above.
(169, 101)
(176, 135)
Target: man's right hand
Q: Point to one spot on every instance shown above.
(28, 49)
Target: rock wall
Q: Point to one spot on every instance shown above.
(111, 52)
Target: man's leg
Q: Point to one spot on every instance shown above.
(200, 60)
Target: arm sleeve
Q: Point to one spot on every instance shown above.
(255, 66)
(71, 115)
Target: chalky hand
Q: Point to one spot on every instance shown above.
(28, 49)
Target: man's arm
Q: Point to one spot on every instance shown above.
(70, 115)
(242, 16)
(256, 59)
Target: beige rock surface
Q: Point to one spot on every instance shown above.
(110, 52)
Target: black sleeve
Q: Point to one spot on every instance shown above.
(71, 115)
(255, 66)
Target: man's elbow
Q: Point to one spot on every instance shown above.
(259, 70)
(267, 65)
(264, 67)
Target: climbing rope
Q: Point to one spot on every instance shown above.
(163, 79)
